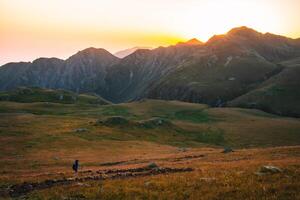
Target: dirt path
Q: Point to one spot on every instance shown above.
(24, 188)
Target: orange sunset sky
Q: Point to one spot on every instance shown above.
(59, 28)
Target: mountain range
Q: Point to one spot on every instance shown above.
(243, 68)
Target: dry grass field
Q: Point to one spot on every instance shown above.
(39, 141)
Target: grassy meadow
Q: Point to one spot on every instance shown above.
(40, 140)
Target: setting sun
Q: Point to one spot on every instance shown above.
(32, 28)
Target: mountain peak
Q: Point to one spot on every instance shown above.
(235, 34)
(193, 41)
(136, 55)
(243, 31)
(216, 38)
(92, 52)
(126, 52)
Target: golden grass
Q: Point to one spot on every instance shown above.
(40, 146)
(216, 176)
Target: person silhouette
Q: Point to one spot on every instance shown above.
(75, 166)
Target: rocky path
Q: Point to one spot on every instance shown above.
(24, 188)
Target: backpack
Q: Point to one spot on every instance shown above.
(74, 167)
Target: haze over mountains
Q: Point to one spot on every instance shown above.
(127, 52)
(242, 68)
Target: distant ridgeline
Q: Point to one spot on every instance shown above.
(243, 68)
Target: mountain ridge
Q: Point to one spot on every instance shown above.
(236, 29)
(216, 72)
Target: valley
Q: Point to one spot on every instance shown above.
(214, 120)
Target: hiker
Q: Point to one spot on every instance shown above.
(75, 166)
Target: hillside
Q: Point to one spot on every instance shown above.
(166, 122)
(30, 95)
(227, 67)
(215, 79)
(279, 95)
(131, 77)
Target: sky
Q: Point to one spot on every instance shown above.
(59, 28)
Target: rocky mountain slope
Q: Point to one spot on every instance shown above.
(223, 71)
(131, 78)
(226, 67)
(82, 72)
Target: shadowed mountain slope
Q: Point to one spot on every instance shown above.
(82, 72)
(130, 78)
(279, 94)
(222, 69)
(226, 67)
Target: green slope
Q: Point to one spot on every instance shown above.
(35, 94)
(214, 80)
(279, 95)
(164, 122)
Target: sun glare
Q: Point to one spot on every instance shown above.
(205, 19)
(115, 25)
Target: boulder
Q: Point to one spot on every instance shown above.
(154, 122)
(152, 165)
(80, 130)
(227, 150)
(268, 169)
